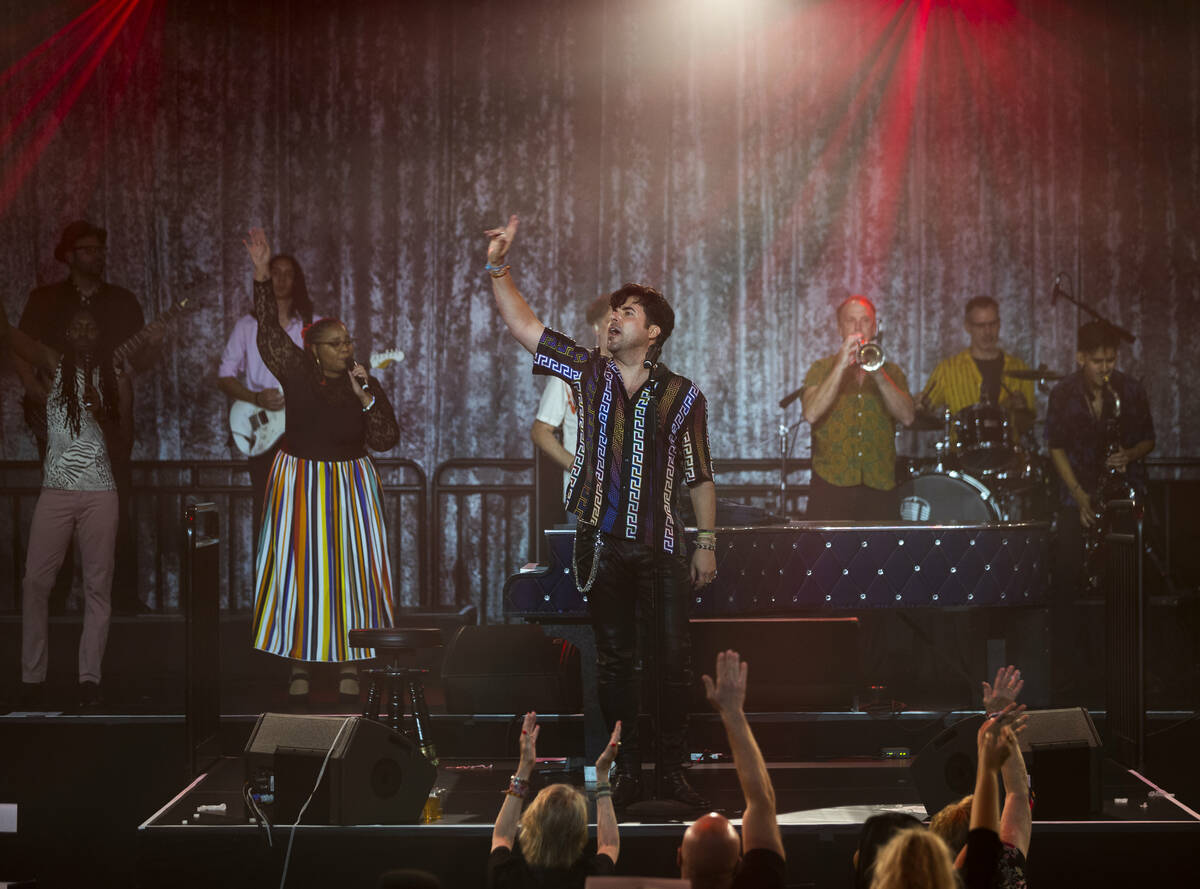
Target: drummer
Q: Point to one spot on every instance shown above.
(979, 373)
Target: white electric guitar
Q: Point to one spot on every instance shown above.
(256, 429)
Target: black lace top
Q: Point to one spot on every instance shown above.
(325, 420)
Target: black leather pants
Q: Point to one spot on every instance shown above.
(624, 618)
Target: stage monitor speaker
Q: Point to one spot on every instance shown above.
(796, 663)
(1062, 754)
(944, 770)
(511, 668)
(375, 775)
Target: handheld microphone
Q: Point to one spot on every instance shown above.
(363, 384)
(1054, 293)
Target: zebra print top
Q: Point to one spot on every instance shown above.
(75, 462)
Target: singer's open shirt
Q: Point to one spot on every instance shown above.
(615, 485)
(855, 442)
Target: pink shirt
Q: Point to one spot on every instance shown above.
(241, 356)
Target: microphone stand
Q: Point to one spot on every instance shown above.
(783, 447)
(1058, 291)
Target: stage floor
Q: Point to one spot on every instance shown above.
(821, 807)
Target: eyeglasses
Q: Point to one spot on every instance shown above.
(337, 344)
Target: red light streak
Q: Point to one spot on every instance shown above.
(54, 75)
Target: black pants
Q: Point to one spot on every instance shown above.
(627, 616)
(856, 503)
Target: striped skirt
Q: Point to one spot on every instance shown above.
(323, 567)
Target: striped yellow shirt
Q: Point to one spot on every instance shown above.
(955, 382)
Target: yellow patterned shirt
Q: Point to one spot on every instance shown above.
(955, 382)
(855, 442)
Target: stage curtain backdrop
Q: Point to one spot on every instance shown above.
(758, 161)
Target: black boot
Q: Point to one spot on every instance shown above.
(675, 786)
(627, 781)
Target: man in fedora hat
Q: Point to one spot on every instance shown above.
(47, 313)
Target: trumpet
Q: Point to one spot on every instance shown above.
(869, 356)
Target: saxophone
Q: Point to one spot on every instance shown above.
(1113, 484)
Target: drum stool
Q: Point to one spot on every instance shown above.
(392, 645)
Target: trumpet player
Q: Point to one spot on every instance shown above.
(853, 400)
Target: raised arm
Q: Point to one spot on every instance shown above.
(1016, 820)
(995, 742)
(279, 353)
(760, 829)
(516, 313)
(608, 838)
(505, 831)
(26, 347)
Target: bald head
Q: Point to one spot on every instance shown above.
(710, 851)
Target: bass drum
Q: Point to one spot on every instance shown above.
(947, 498)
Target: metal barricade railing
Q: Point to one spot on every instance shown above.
(162, 488)
(472, 559)
(454, 537)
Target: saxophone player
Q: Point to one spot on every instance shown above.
(1098, 426)
(1085, 434)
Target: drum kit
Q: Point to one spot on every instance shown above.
(987, 465)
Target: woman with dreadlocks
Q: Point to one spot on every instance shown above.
(88, 418)
(323, 567)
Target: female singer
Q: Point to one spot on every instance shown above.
(322, 567)
(88, 417)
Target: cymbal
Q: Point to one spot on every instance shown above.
(1039, 374)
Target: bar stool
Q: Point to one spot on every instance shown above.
(392, 644)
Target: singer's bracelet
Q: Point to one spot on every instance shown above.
(369, 406)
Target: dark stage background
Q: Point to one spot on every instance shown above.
(758, 161)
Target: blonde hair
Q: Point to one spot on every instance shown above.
(554, 827)
(914, 859)
(953, 823)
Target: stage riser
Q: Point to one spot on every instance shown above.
(143, 664)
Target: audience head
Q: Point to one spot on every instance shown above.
(953, 823)
(914, 858)
(875, 833)
(709, 853)
(554, 827)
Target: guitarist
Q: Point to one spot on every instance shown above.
(241, 361)
(48, 311)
